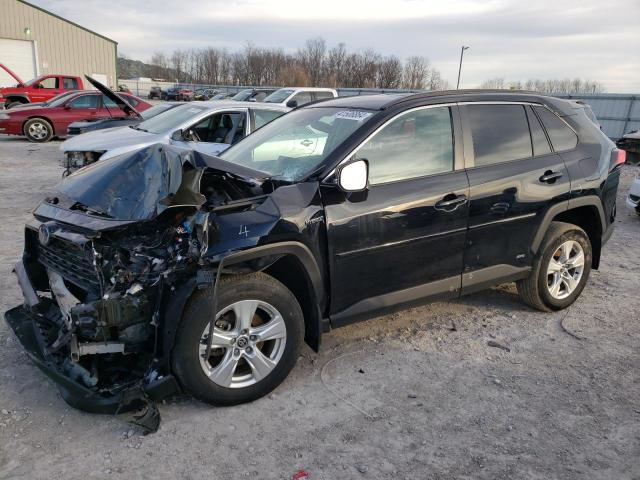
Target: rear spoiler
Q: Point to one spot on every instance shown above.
(121, 102)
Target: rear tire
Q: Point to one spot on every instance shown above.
(242, 367)
(38, 130)
(560, 269)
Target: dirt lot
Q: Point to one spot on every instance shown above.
(414, 395)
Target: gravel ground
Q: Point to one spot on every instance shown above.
(418, 394)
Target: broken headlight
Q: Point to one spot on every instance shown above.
(81, 159)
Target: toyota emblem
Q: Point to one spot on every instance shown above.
(44, 234)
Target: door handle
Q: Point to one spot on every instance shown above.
(550, 176)
(450, 202)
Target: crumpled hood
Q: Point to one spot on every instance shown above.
(140, 185)
(110, 139)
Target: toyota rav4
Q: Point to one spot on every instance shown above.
(166, 269)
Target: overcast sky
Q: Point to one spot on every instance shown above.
(592, 39)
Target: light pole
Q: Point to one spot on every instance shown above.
(460, 67)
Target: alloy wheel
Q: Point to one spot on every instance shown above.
(38, 130)
(249, 339)
(565, 269)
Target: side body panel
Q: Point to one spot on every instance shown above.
(508, 201)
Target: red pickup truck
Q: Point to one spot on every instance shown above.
(39, 89)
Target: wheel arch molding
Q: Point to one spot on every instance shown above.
(580, 212)
(287, 262)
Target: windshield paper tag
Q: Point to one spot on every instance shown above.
(356, 115)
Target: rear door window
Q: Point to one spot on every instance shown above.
(561, 135)
(538, 137)
(302, 98)
(107, 102)
(415, 144)
(500, 133)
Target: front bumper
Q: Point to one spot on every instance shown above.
(26, 320)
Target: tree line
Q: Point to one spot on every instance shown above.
(319, 65)
(314, 64)
(567, 85)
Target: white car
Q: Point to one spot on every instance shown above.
(296, 97)
(633, 199)
(207, 127)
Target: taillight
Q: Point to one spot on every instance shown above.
(618, 157)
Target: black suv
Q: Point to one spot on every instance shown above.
(334, 213)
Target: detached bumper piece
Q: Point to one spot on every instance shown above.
(28, 325)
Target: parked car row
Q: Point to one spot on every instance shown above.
(211, 240)
(40, 123)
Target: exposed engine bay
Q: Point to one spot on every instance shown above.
(99, 277)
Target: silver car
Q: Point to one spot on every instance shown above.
(207, 127)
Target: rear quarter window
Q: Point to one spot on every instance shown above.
(561, 135)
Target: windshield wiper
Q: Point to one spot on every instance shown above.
(136, 127)
(91, 211)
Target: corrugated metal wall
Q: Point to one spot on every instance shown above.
(618, 113)
(62, 47)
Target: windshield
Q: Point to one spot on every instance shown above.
(171, 119)
(32, 81)
(278, 96)
(60, 99)
(243, 95)
(294, 145)
(156, 110)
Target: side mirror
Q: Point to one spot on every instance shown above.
(353, 176)
(292, 104)
(177, 135)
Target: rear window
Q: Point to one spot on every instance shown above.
(70, 83)
(323, 95)
(561, 135)
(500, 133)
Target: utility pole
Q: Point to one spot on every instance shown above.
(460, 67)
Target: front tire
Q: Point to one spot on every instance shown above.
(38, 130)
(256, 340)
(560, 269)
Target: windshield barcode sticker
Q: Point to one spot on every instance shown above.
(356, 115)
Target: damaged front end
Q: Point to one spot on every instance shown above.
(109, 261)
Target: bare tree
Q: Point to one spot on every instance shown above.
(178, 62)
(312, 59)
(554, 85)
(312, 65)
(159, 64)
(416, 72)
(334, 74)
(389, 73)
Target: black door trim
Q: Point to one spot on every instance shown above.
(398, 300)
